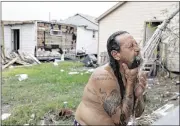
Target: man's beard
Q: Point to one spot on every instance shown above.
(135, 63)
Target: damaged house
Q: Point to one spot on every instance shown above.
(141, 19)
(87, 33)
(42, 39)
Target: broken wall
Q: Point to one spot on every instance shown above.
(55, 36)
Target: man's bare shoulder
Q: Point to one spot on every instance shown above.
(103, 76)
(102, 71)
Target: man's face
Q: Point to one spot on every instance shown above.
(129, 49)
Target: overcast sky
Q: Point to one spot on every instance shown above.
(58, 10)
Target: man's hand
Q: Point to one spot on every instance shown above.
(141, 86)
(130, 74)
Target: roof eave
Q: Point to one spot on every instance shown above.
(110, 11)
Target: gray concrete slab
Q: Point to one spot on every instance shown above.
(172, 118)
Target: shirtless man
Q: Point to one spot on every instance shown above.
(112, 89)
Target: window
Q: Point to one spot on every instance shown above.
(56, 32)
(93, 34)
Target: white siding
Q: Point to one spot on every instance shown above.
(7, 39)
(85, 40)
(130, 17)
(28, 37)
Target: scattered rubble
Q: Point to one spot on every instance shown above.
(65, 104)
(55, 63)
(65, 113)
(22, 77)
(177, 82)
(71, 73)
(33, 116)
(62, 70)
(56, 118)
(163, 94)
(5, 116)
(26, 124)
(21, 58)
(175, 97)
(90, 61)
(90, 70)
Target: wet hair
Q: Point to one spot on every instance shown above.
(112, 44)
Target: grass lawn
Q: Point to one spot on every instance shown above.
(45, 89)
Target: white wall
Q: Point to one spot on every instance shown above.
(28, 37)
(130, 17)
(85, 40)
(7, 39)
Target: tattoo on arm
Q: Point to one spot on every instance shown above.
(139, 108)
(112, 101)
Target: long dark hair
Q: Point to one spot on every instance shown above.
(112, 44)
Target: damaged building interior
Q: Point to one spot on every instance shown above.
(55, 37)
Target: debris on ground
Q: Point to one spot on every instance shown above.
(58, 117)
(65, 104)
(62, 70)
(22, 77)
(177, 82)
(21, 58)
(159, 96)
(33, 116)
(57, 60)
(62, 57)
(47, 55)
(55, 63)
(150, 81)
(69, 56)
(71, 73)
(90, 70)
(26, 124)
(5, 116)
(175, 97)
(90, 61)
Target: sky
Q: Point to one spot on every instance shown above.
(57, 10)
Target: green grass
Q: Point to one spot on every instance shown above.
(45, 89)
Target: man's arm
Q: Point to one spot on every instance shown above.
(139, 95)
(139, 106)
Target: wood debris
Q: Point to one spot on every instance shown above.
(20, 58)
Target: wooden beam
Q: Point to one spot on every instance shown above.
(11, 62)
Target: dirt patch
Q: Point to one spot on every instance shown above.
(60, 117)
(159, 94)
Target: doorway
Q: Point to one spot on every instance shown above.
(15, 39)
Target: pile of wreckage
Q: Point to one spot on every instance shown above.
(20, 58)
(90, 61)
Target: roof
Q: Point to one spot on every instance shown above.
(58, 22)
(89, 22)
(7, 22)
(110, 10)
(88, 17)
